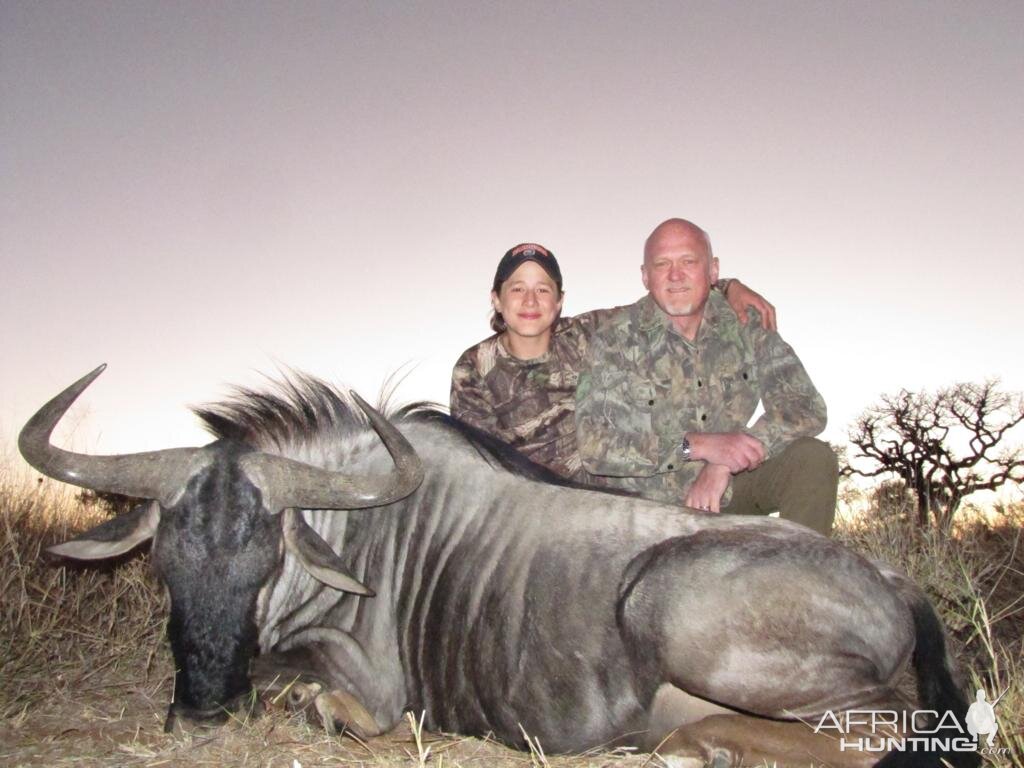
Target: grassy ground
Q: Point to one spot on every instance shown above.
(86, 675)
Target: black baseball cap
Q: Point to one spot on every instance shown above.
(519, 254)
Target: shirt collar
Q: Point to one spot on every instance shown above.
(652, 317)
(504, 354)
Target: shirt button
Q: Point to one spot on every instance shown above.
(703, 417)
(700, 383)
(744, 375)
(671, 466)
(650, 402)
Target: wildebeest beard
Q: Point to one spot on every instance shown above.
(214, 550)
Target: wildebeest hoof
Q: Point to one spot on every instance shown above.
(339, 712)
(336, 711)
(301, 695)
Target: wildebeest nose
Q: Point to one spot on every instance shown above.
(242, 707)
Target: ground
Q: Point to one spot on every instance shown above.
(113, 714)
(87, 675)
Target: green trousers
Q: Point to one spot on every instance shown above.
(800, 483)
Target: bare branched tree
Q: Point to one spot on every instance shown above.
(943, 446)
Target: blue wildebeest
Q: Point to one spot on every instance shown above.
(418, 565)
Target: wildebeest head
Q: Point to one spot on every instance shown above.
(221, 518)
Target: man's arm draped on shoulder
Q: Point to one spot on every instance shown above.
(741, 297)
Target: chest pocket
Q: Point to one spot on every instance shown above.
(738, 386)
(622, 392)
(614, 416)
(642, 394)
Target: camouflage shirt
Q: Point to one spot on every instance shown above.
(643, 386)
(526, 403)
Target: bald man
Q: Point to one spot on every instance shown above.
(670, 383)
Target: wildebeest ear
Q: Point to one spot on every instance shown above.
(316, 556)
(114, 537)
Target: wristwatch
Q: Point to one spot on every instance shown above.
(684, 449)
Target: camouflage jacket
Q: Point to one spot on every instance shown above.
(526, 403)
(643, 386)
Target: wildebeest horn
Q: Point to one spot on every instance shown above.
(159, 475)
(286, 483)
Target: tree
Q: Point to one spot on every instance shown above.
(943, 446)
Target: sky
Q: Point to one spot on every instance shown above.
(204, 194)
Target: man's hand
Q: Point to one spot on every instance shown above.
(706, 491)
(736, 450)
(740, 297)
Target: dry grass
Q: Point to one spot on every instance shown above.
(975, 577)
(86, 674)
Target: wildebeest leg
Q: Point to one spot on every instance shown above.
(698, 733)
(302, 680)
(759, 624)
(336, 710)
(671, 709)
(735, 740)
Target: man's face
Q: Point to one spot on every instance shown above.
(678, 272)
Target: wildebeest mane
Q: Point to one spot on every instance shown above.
(300, 409)
(296, 409)
(492, 448)
(488, 446)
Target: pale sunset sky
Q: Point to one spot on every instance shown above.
(199, 193)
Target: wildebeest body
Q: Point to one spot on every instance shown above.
(498, 599)
(504, 601)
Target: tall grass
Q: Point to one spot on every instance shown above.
(63, 627)
(86, 674)
(975, 577)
